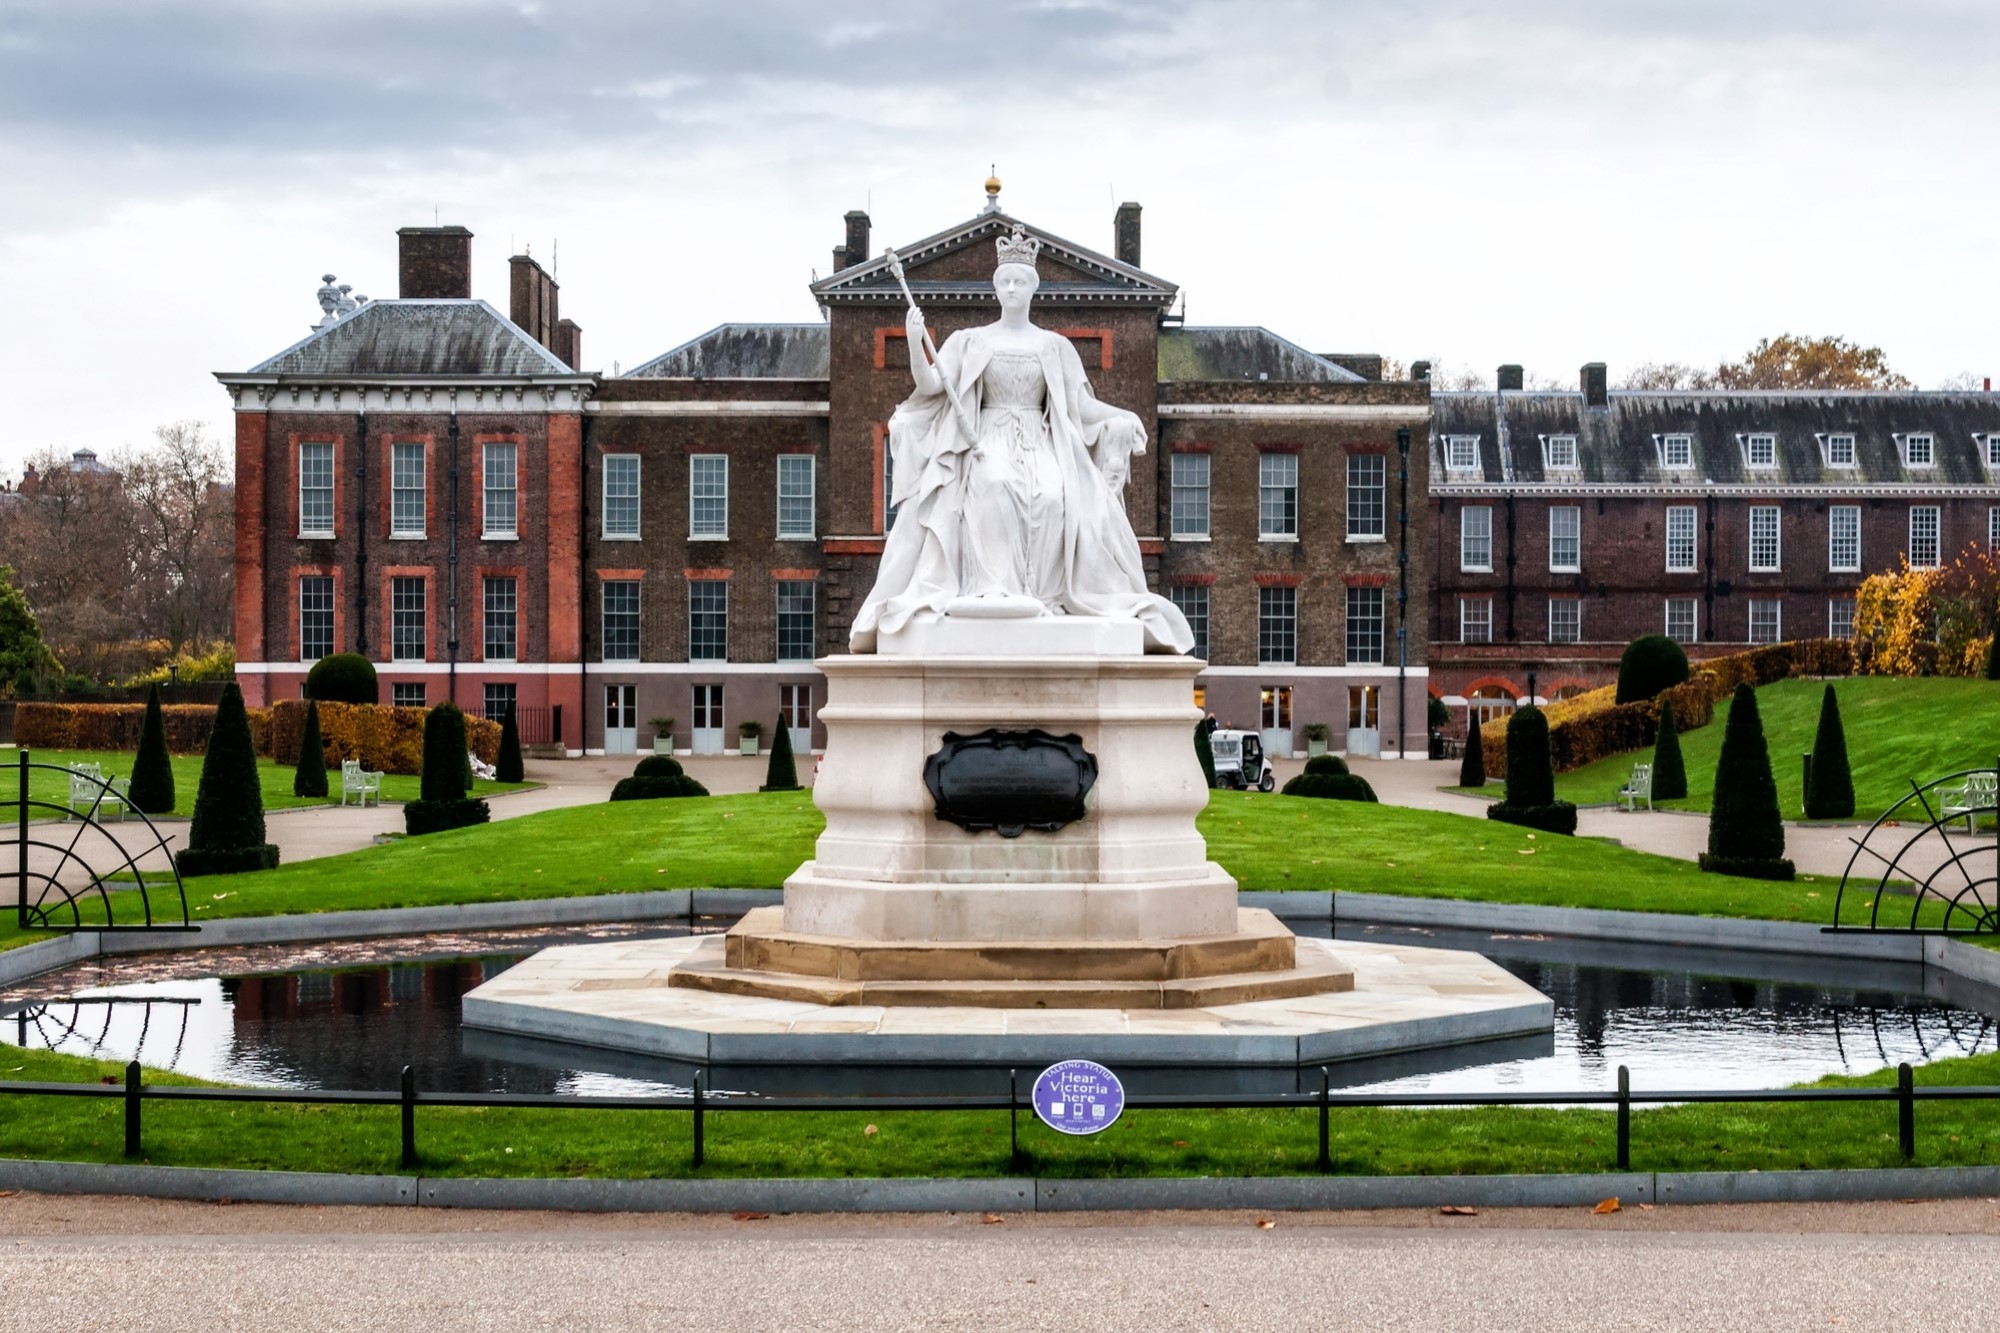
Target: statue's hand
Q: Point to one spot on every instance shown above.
(913, 325)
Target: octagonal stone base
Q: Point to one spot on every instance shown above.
(620, 996)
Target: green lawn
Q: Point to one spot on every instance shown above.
(756, 840)
(1897, 729)
(643, 1144)
(44, 785)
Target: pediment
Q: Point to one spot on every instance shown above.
(955, 267)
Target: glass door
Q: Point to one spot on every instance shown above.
(795, 703)
(707, 719)
(1364, 721)
(1275, 723)
(621, 719)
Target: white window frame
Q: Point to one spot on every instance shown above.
(617, 463)
(1935, 514)
(401, 454)
(1839, 561)
(1991, 450)
(1358, 490)
(604, 618)
(1461, 453)
(1831, 446)
(487, 583)
(1993, 528)
(1692, 515)
(1770, 517)
(1693, 606)
(1277, 625)
(331, 489)
(1468, 622)
(1839, 610)
(793, 463)
(1277, 473)
(1573, 519)
(1367, 616)
(701, 489)
(1182, 492)
(1914, 441)
(330, 622)
(1753, 443)
(1559, 453)
(511, 475)
(1673, 442)
(1467, 536)
(1776, 609)
(1573, 613)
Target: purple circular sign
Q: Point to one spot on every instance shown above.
(1078, 1097)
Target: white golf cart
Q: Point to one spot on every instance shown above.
(1240, 762)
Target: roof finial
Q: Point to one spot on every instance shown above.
(992, 190)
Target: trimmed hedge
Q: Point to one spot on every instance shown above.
(385, 739)
(343, 678)
(1330, 787)
(658, 766)
(654, 789)
(1651, 663)
(1327, 765)
(1555, 817)
(56, 726)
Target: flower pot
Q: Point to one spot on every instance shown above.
(663, 745)
(747, 747)
(1314, 749)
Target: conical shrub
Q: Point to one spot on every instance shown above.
(507, 766)
(1830, 784)
(1670, 775)
(782, 774)
(1746, 834)
(227, 835)
(1204, 752)
(309, 780)
(442, 802)
(153, 769)
(1472, 768)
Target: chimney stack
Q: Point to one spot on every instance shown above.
(1596, 385)
(1420, 371)
(569, 343)
(1510, 377)
(433, 263)
(857, 237)
(1125, 234)
(532, 300)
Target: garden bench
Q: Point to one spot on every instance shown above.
(1975, 796)
(90, 791)
(359, 782)
(1637, 788)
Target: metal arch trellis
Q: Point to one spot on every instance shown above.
(52, 897)
(1966, 881)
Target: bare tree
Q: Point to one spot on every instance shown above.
(1963, 382)
(1667, 375)
(180, 494)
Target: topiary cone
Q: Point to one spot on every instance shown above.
(310, 778)
(782, 774)
(444, 755)
(1830, 794)
(1472, 768)
(153, 770)
(1670, 778)
(227, 834)
(1746, 834)
(1531, 777)
(507, 767)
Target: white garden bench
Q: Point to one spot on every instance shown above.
(1639, 787)
(90, 791)
(1974, 797)
(359, 782)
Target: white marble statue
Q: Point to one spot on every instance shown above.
(1000, 461)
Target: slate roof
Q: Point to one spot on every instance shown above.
(1105, 280)
(442, 339)
(1218, 353)
(745, 351)
(1619, 445)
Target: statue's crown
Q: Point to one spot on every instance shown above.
(1019, 247)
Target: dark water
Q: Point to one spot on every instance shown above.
(1679, 1018)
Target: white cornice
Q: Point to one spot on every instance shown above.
(253, 393)
(726, 407)
(1733, 489)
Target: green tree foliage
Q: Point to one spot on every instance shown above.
(508, 767)
(153, 770)
(1746, 834)
(1531, 778)
(1204, 752)
(1793, 361)
(227, 836)
(310, 778)
(442, 803)
(1830, 784)
(1472, 768)
(1652, 663)
(783, 773)
(343, 678)
(1670, 776)
(25, 660)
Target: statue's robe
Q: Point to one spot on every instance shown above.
(920, 571)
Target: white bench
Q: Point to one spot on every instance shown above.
(1974, 797)
(1639, 787)
(359, 782)
(90, 791)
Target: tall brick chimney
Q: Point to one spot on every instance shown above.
(1510, 377)
(433, 263)
(532, 300)
(1596, 385)
(1125, 234)
(569, 343)
(857, 237)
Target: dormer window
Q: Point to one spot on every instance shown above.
(1461, 453)
(1919, 449)
(1839, 450)
(1676, 451)
(1559, 453)
(1760, 451)
(1989, 448)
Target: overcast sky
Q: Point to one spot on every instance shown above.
(1542, 181)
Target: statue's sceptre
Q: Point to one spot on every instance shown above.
(959, 411)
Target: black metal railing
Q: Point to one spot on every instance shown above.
(703, 1106)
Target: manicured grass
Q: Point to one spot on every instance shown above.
(642, 1144)
(756, 840)
(44, 785)
(1897, 730)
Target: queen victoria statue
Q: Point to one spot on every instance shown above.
(1008, 480)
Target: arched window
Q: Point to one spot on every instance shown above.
(1488, 702)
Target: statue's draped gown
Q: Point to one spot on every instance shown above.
(1021, 512)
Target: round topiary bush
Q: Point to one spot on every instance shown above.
(343, 678)
(1330, 765)
(658, 766)
(655, 789)
(1651, 663)
(1341, 786)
